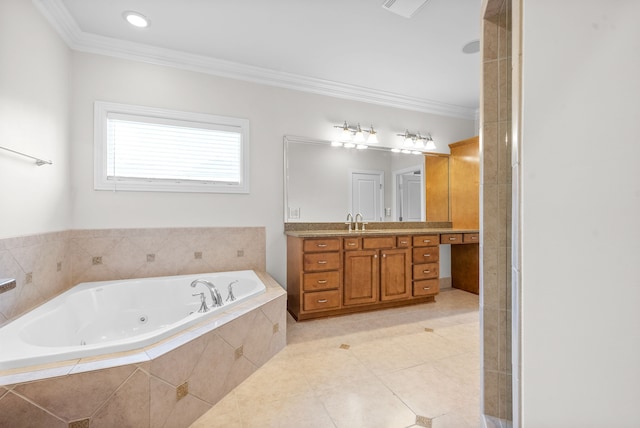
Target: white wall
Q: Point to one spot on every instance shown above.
(581, 214)
(34, 118)
(273, 112)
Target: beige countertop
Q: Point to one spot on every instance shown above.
(324, 233)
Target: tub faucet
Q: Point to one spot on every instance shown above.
(215, 294)
(349, 221)
(203, 302)
(230, 296)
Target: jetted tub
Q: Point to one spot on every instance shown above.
(97, 318)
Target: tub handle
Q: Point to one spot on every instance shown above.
(203, 302)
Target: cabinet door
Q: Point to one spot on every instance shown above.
(360, 277)
(395, 274)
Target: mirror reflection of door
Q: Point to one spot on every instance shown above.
(408, 187)
(367, 194)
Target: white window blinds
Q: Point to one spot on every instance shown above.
(172, 151)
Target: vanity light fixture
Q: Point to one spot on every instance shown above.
(136, 19)
(356, 134)
(417, 141)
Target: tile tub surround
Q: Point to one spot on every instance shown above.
(415, 366)
(47, 264)
(169, 384)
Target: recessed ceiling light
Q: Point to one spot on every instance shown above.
(471, 47)
(136, 19)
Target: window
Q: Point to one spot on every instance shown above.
(150, 149)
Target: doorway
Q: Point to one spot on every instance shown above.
(367, 194)
(408, 187)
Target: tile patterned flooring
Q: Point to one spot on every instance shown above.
(417, 366)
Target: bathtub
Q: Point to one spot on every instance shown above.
(107, 317)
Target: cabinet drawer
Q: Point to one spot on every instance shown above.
(451, 238)
(330, 244)
(321, 300)
(426, 271)
(379, 242)
(425, 240)
(427, 287)
(471, 238)
(403, 241)
(351, 243)
(321, 280)
(321, 261)
(426, 254)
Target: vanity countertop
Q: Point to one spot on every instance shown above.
(324, 233)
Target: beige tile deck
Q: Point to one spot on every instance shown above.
(401, 367)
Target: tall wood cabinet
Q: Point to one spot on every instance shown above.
(464, 164)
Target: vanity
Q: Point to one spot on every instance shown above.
(406, 202)
(333, 272)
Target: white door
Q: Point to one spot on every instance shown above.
(367, 195)
(410, 193)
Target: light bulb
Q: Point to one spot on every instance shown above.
(373, 136)
(336, 144)
(395, 150)
(419, 143)
(359, 137)
(408, 142)
(346, 133)
(431, 145)
(349, 145)
(361, 146)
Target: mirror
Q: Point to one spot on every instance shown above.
(323, 183)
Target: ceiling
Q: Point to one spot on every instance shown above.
(352, 49)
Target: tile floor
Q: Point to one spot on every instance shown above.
(417, 366)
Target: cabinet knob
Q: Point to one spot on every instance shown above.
(384, 255)
(323, 301)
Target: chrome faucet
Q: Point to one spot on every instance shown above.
(215, 294)
(361, 222)
(203, 302)
(230, 296)
(349, 221)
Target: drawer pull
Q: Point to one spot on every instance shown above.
(322, 281)
(452, 238)
(323, 301)
(426, 288)
(322, 245)
(426, 255)
(322, 262)
(426, 241)
(403, 242)
(426, 271)
(351, 244)
(474, 237)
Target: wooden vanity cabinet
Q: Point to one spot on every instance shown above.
(379, 272)
(313, 274)
(346, 274)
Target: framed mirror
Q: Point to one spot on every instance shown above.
(324, 183)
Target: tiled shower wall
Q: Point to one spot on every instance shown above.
(45, 265)
(496, 198)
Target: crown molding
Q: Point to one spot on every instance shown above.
(62, 21)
